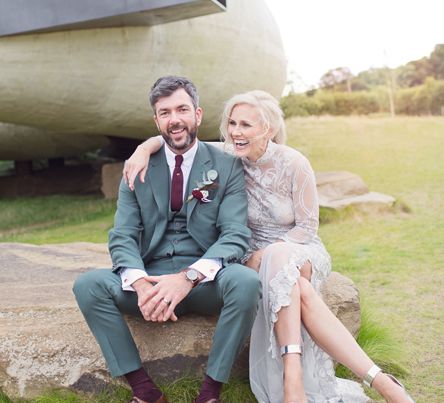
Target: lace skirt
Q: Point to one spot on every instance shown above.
(279, 272)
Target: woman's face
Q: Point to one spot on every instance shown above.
(247, 132)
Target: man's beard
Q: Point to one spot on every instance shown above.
(191, 136)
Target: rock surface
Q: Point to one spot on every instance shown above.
(44, 341)
(338, 190)
(111, 177)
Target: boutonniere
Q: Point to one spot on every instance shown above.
(201, 192)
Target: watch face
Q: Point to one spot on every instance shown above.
(191, 275)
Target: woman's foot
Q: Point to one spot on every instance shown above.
(387, 385)
(390, 389)
(293, 384)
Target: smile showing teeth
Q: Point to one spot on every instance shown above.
(240, 143)
(176, 131)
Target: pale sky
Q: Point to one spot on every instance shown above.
(319, 35)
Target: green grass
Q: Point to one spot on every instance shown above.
(395, 259)
(55, 219)
(183, 390)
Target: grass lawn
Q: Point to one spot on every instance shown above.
(56, 219)
(396, 260)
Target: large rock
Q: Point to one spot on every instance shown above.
(44, 341)
(342, 297)
(111, 177)
(337, 190)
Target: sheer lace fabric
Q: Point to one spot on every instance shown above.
(283, 205)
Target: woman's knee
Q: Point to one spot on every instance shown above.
(277, 249)
(306, 270)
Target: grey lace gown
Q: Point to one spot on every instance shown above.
(283, 205)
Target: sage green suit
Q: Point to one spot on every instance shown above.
(217, 229)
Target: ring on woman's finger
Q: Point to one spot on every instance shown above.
(166, 301)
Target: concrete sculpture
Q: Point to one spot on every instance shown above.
(76, 86)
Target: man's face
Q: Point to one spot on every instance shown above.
(177, 120)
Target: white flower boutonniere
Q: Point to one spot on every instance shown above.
(201, 192)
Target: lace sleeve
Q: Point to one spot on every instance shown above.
(305, 203)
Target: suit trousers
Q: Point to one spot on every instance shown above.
(233, 294)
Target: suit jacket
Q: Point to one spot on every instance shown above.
(219, 227)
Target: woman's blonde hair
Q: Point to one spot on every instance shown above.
(269, 110)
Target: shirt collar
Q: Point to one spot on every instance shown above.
(188, 157)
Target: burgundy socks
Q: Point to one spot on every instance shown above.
(210, 389)
(142, 385)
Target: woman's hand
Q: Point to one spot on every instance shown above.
(136, 164)
(254, 262)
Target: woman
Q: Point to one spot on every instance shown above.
(293, 326)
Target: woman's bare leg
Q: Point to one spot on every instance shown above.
(333, 337)
(288, 331)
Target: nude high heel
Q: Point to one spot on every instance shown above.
(375, 370)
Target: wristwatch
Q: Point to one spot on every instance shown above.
(192, 275)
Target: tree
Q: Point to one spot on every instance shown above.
(437, 62)
(338, 79)
(373, 77)
(414, 72)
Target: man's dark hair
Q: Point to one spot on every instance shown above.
(165, 86)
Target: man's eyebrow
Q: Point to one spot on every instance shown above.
(176, 107)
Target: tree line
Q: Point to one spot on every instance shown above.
(416, 88)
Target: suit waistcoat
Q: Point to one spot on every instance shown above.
(176, 240)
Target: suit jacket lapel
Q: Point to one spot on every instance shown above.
(201, 164)
(159, 175)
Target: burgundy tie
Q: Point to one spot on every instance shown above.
(177, 185)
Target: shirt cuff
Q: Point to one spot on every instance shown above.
(208, 267)
(129, 276)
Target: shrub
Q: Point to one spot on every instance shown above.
(426, 99)
(330, 103)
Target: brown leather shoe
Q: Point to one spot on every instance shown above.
(161, 399)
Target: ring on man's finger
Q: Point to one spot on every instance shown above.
(166, 301)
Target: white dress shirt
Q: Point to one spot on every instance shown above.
(208, 267)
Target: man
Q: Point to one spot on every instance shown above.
(174, 249)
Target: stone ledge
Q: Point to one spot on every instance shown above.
(337, 190)
(44, 341)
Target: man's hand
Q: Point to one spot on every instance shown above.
(159, 302)
(142, 287)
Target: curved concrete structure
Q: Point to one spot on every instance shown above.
(94, 82)
(30, 143)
